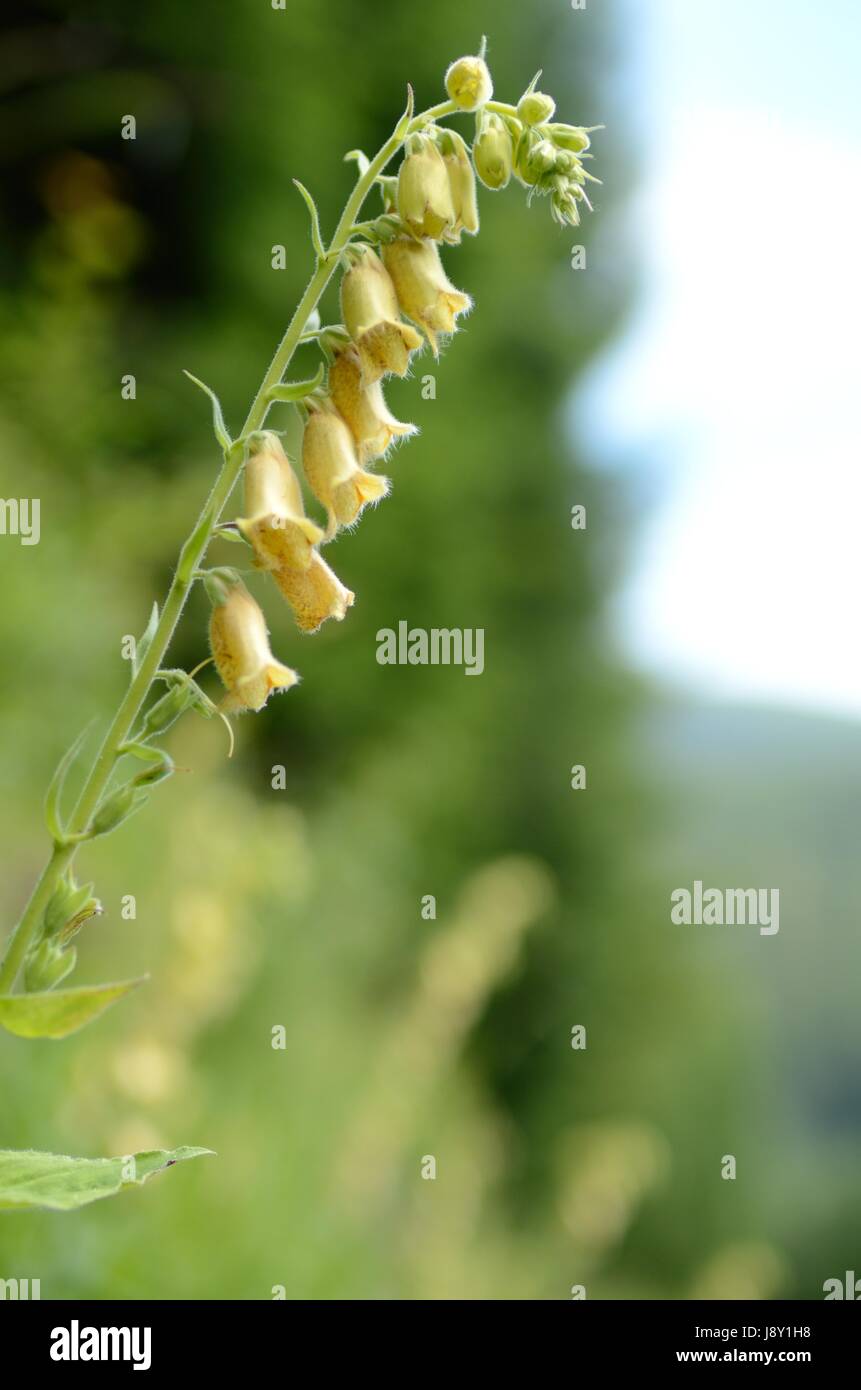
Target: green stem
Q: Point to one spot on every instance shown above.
(191, 555)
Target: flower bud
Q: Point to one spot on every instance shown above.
(364, 409)
(156, 771)
(68, 902)
(468, 83)
(424, 291)
(493, 153)
(116, 807)
(536, 158)
(165, 711)
(569, 137)
(333, 472)
(314, 594)
(424, 193)
(564, 203)
(47, 966)
(461, 179)
(534, 108)
(369, 307)
(276, 525)
(240, 649)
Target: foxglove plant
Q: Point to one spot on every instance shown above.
(395, 295)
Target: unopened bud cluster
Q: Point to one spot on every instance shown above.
(51, 957)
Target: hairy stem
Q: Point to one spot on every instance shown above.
(191, 555)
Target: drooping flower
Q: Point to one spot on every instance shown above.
(424, 192)
(424, 291)
(369, 307)
(461, 179)
(364, 409)
(240, 649)
(493, 152)
(276, 525)
(333, 471)
(314, 594)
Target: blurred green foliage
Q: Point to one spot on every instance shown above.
(256, 908)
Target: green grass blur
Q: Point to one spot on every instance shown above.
(258, 908)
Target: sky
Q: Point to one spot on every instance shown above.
(735, 391)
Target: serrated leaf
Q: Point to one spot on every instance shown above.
(53, 816)
(59, 1012)
(29, 1179)
(143, 646)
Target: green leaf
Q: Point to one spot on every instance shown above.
(53, 817)
(29, 1179)
(316, 238)
(218, 424)
(403, 125)
(60, 1012)
(296, 390)
(361, 159)
(143, 646)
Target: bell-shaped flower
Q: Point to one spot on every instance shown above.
(276, 525)
(363, 408)
(369, 307)
(424, 291)
(461, 180)
(333, 471)
(240, 650)
(493, 152)
(424, 192)
(314, 594)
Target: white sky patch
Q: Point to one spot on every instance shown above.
(739, 376)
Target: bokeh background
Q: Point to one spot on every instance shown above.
(688, 648)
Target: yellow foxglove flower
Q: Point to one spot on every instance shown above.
(493, 152)
(276, 525)
(333, 472)
(468, 83)
(424, 193)
(364, 409)
(369, 307)
(534, 108)
(240, 649)
(461, 179)
(314, 594)
(424, 291)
